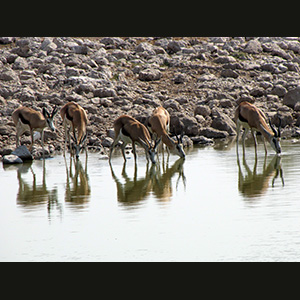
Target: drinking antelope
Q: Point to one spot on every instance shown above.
(75, 116)
(130, 130)
(250, 117)
(158, 124)
(28, 119)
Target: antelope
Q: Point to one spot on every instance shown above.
(130, 130)
(158, 124)
(28, 119)
(75, 116)
(250, 117)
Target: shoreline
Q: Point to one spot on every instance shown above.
(199, 81)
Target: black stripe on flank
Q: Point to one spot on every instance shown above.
(23, 120)
(242, 119)
(68, 115)
(124, 132)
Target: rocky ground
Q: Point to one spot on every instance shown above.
(198, 80)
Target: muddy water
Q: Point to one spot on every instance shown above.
(209, 207)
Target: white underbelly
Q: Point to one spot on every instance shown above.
(246, 125)
(67, 122)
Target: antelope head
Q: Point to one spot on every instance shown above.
(152, 150)
(275, 140)
(78, 145)
(178, 147)
(49, 117)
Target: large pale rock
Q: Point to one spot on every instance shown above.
(23, 153)
(292, 97)
(12, 159)
(149, 75)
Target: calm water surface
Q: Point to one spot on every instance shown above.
(209, 207)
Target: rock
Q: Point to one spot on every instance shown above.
(80, 49)
(145, 50)
(245, 97)
(171, 104)
(173, 47)
(292, 97)
(181, 78)
(20, 63)
(229, 73)
(113, 42)
(149, 74)
(190, 125)
(105, 92)
(222, 122)
(202, 140)
(270, 67)
(253, 47)
(7, 150)
(176, 124)
(5, 130)
(7, 40)
(202, 110)
(294, 46)
(12, 159)
(286, 119)
(279, 90)
(213, 133)
(119, 54)
(23, 153)
(187, 141)
(257, 92)
(111, 133)
(48, 45)
(27, 74)
(207, 77)
(226, 103)
(71, 60)
(8, 75)
(224, 59)
(107, 142)
(276, 50)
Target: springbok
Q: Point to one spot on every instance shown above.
(75, 116)
(250, 117)
(28, 119)
(130, 130)
(158, 124)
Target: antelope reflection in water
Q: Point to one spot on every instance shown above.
(78, 189)
(162, 183)
(252, 184)
(137, 189)
(36, 194)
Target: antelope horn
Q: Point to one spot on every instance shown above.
(74, 138)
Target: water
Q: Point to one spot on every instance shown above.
(210, 207)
